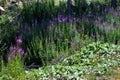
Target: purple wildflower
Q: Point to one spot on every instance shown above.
(70, 20)
(90, 16)
(19, 40)
(11, 48)
(112, 21)
(75, 20)
(118, 8)
(20, 51)
(99, 19)
(16, 49)
(59, 19)
(110, 10)
(62, 19)
(65, 19)
(106, 10)
(104, 24)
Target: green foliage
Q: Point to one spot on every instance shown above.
(96, 58)
(42, 10)
(2, 48)
(109, 27)
(8, 25)
(3, 3)
(80, 7)
(93, 53)
(14, 69)
(47, 47)
(48, 44)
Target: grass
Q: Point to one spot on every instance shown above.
(99, 62)
(14, 69)
(83, 46)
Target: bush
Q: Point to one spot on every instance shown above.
(96, 58)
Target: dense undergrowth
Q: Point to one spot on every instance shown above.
(96, 58)
(59, 44)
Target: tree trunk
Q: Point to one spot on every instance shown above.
(69, 8)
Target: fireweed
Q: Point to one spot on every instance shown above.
(16, 49)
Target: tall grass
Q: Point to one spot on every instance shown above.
(58, 40)
(14, 69)
(48, 34)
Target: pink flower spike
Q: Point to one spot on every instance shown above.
(19, 40)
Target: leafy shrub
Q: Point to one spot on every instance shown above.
(96, 58)
(8, 27)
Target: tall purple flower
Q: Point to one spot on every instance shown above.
(104, 24)
(59, 18)
(11, 52)
(99, 19)
(75, 19)
(106, 10)
(16, 49)
(19, 40)
(20, 51)
(90, 16)
(118, 8)
(62, 19)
